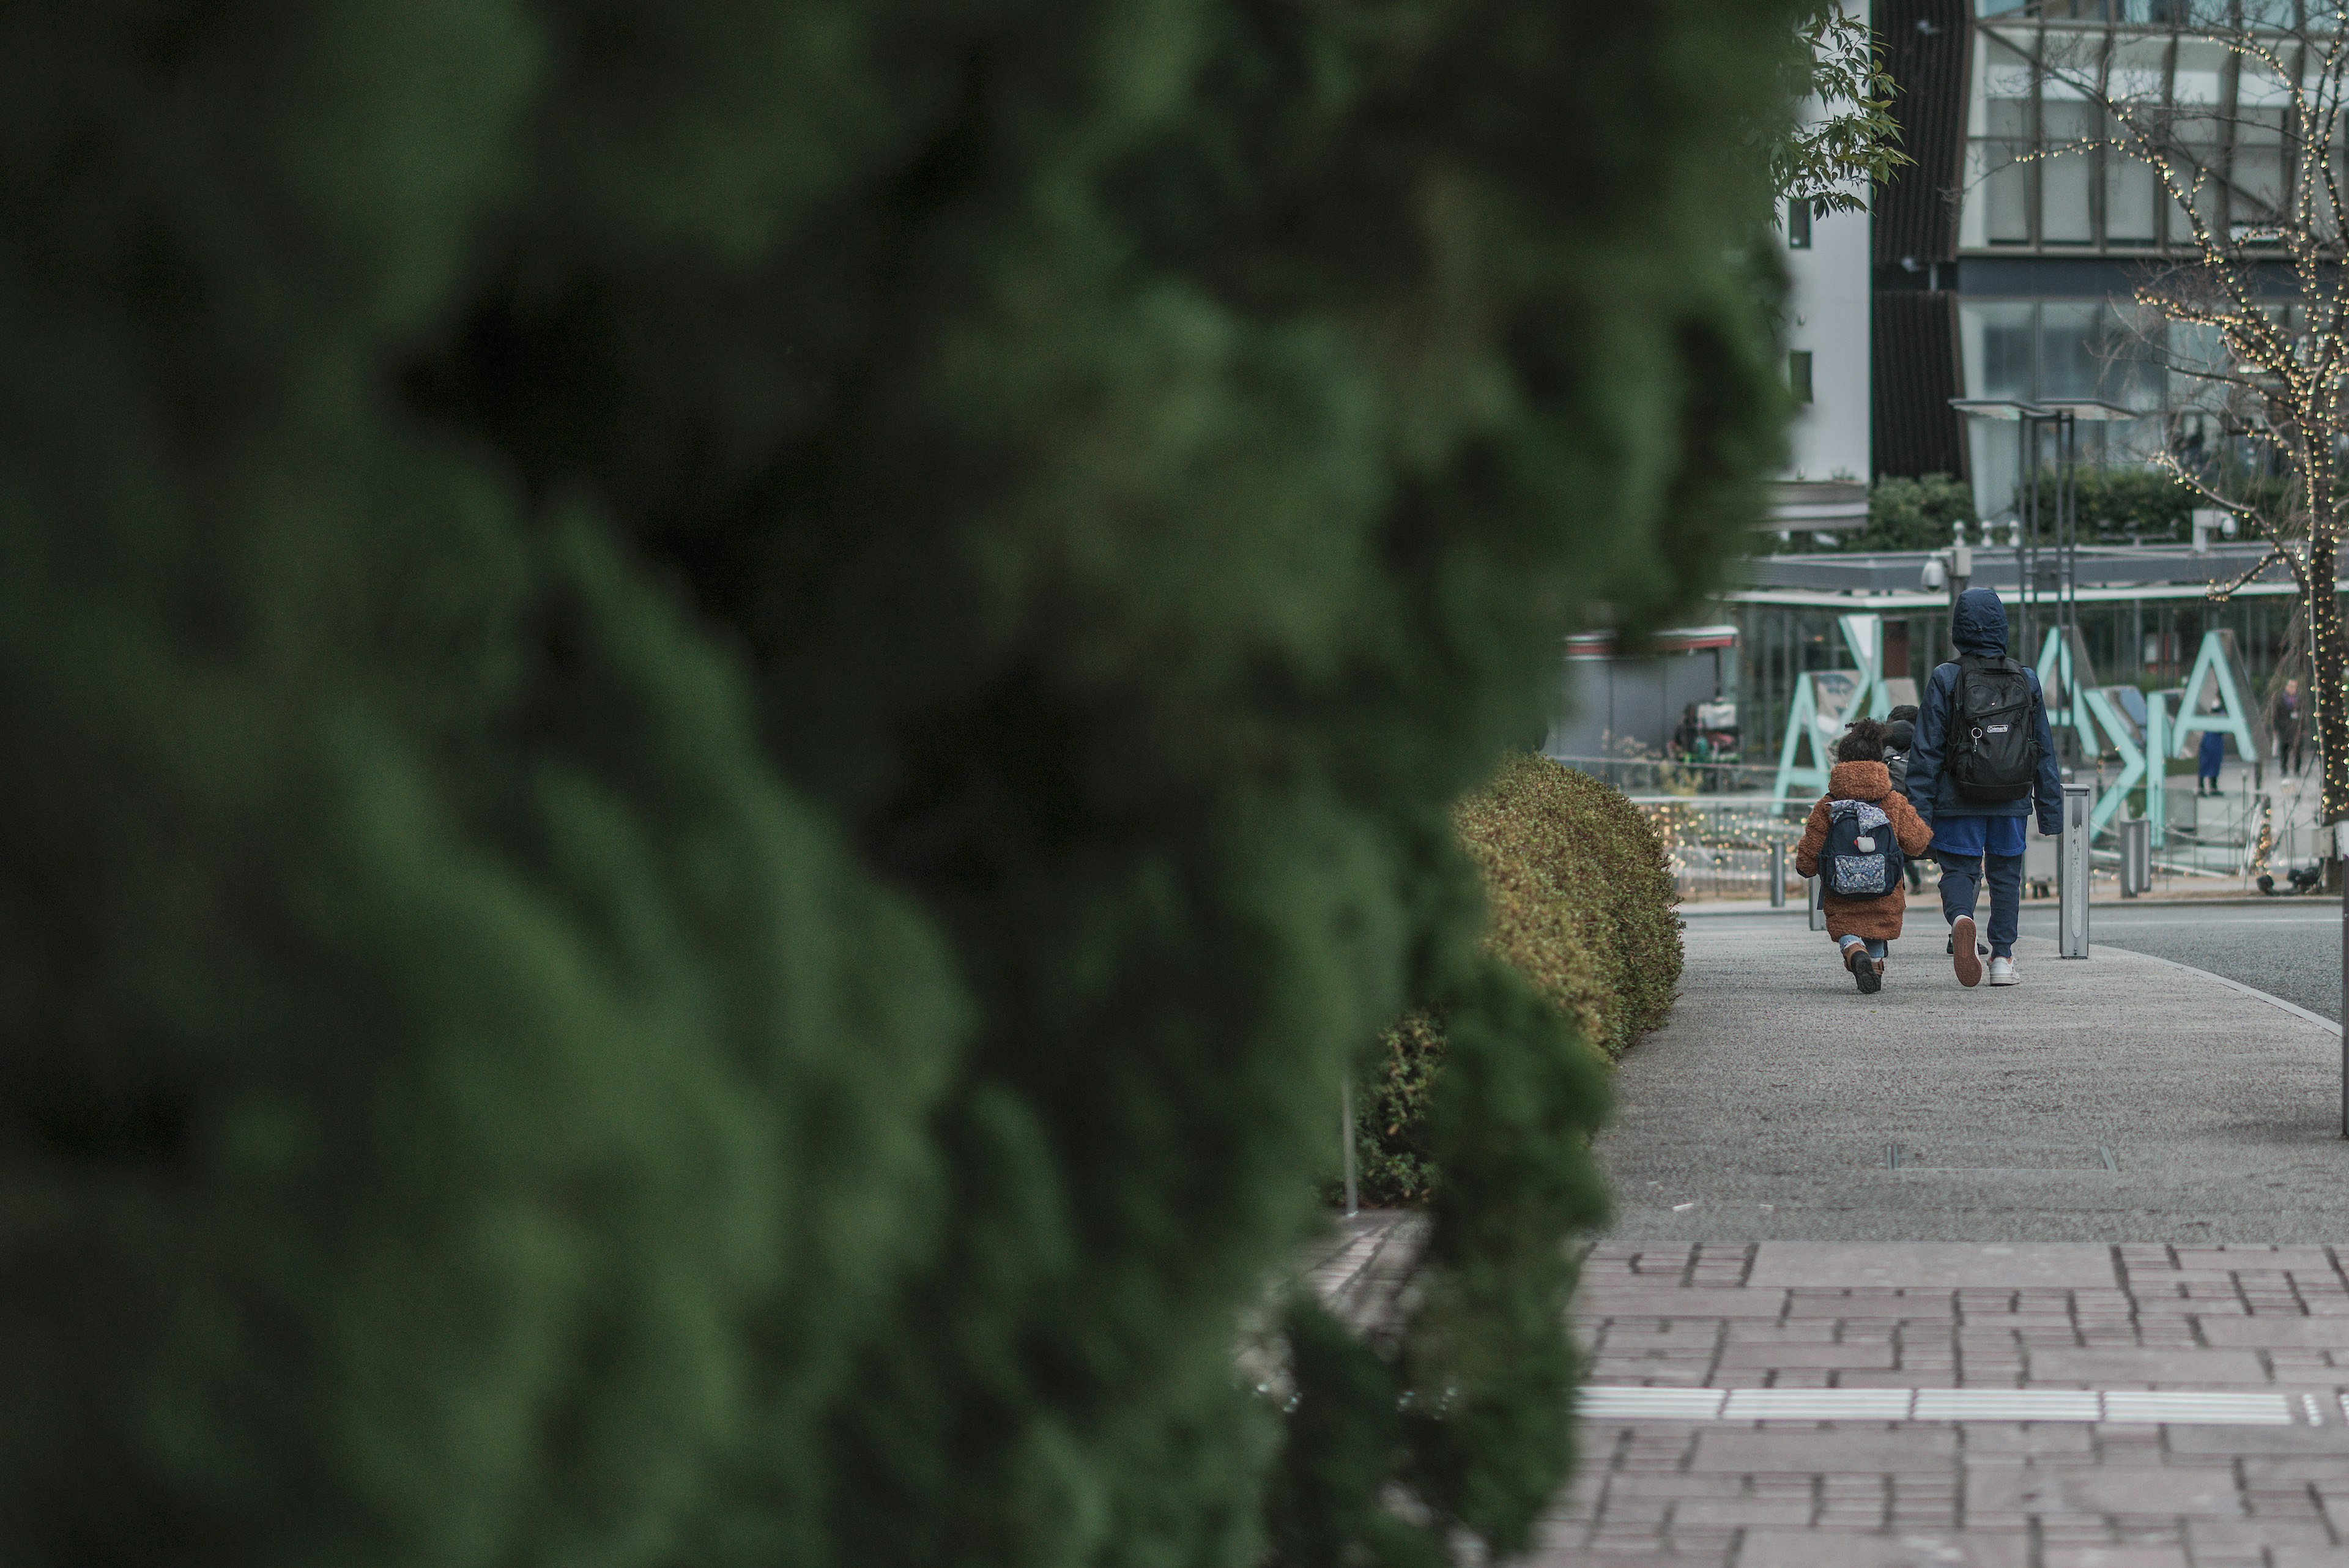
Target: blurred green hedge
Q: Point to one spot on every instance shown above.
(1582, 905)
(724, 716)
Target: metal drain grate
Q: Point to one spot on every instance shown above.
(1998, 1156)
(2246, 1408)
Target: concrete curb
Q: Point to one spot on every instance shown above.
(1747, 908)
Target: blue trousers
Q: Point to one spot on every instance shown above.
(1962, 880)
(1876, 949)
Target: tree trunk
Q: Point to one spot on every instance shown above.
(2328, 659)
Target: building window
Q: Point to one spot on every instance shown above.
(2045, 170)
(1798, 374)
(1798, 225)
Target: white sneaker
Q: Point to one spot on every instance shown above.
(2001, 972)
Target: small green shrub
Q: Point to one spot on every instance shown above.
(1582, 896)
(1914, 513)
(1581, 903)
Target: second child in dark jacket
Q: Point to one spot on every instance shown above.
(1900, 736)
(1899, 739)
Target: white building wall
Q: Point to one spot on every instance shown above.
(1829, 321)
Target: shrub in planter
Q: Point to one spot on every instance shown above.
(1582, 901)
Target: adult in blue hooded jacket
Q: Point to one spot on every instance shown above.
(1979, 839)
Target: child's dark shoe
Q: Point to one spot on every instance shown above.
(1864, 970)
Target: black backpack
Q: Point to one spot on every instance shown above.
(1862, 858)
(1993, 746)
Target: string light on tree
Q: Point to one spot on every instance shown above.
(2274, 388)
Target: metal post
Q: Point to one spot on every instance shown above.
(2156, 767)
(1818, 910)
(2136, 856)
(2072, 867)
(2026, 514)
(1346, 1141)
(1778, 874)
(2067, 440)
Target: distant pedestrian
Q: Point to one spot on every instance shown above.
(1858, 835)
(2207, 759)
(2287, 727)
(1984, 758)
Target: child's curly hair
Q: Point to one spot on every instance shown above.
(1863, 742)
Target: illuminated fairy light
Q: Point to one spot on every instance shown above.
(2274, 385)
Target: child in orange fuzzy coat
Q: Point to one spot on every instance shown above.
(1859, 783)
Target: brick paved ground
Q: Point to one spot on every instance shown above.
(2010, 1494)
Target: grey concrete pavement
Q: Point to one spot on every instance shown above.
(2289, 946)
(2115, 1099)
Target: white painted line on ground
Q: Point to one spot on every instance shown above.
(1817, 1405)
(2006, 1404)
(2230, 1409)
(1600, 1403)
(2195, 1407)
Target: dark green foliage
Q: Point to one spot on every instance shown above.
(1915, 514)
(1582, 907)
(727, 715)
(1395, 1164)
(2118, 503)
(1480, 1380)
(1324, 1506)
(1486, 1357)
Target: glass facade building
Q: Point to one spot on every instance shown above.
(2005, 265)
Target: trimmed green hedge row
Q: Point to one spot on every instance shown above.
(1582, 906)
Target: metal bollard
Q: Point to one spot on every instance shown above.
(1345, 1141)
(1818, 910)
(2072, 870)
(2136, 856)
(1778, 875)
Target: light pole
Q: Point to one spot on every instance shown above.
(2068, 412)
(2063, 416)
(2026, 417)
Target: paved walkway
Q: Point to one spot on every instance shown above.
(2027, 1278)
(2118, 1098)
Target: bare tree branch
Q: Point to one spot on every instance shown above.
(2222, 592)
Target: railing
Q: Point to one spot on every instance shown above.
(1680, 778)
(1719, 846)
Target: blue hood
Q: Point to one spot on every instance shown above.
(1979, 623)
